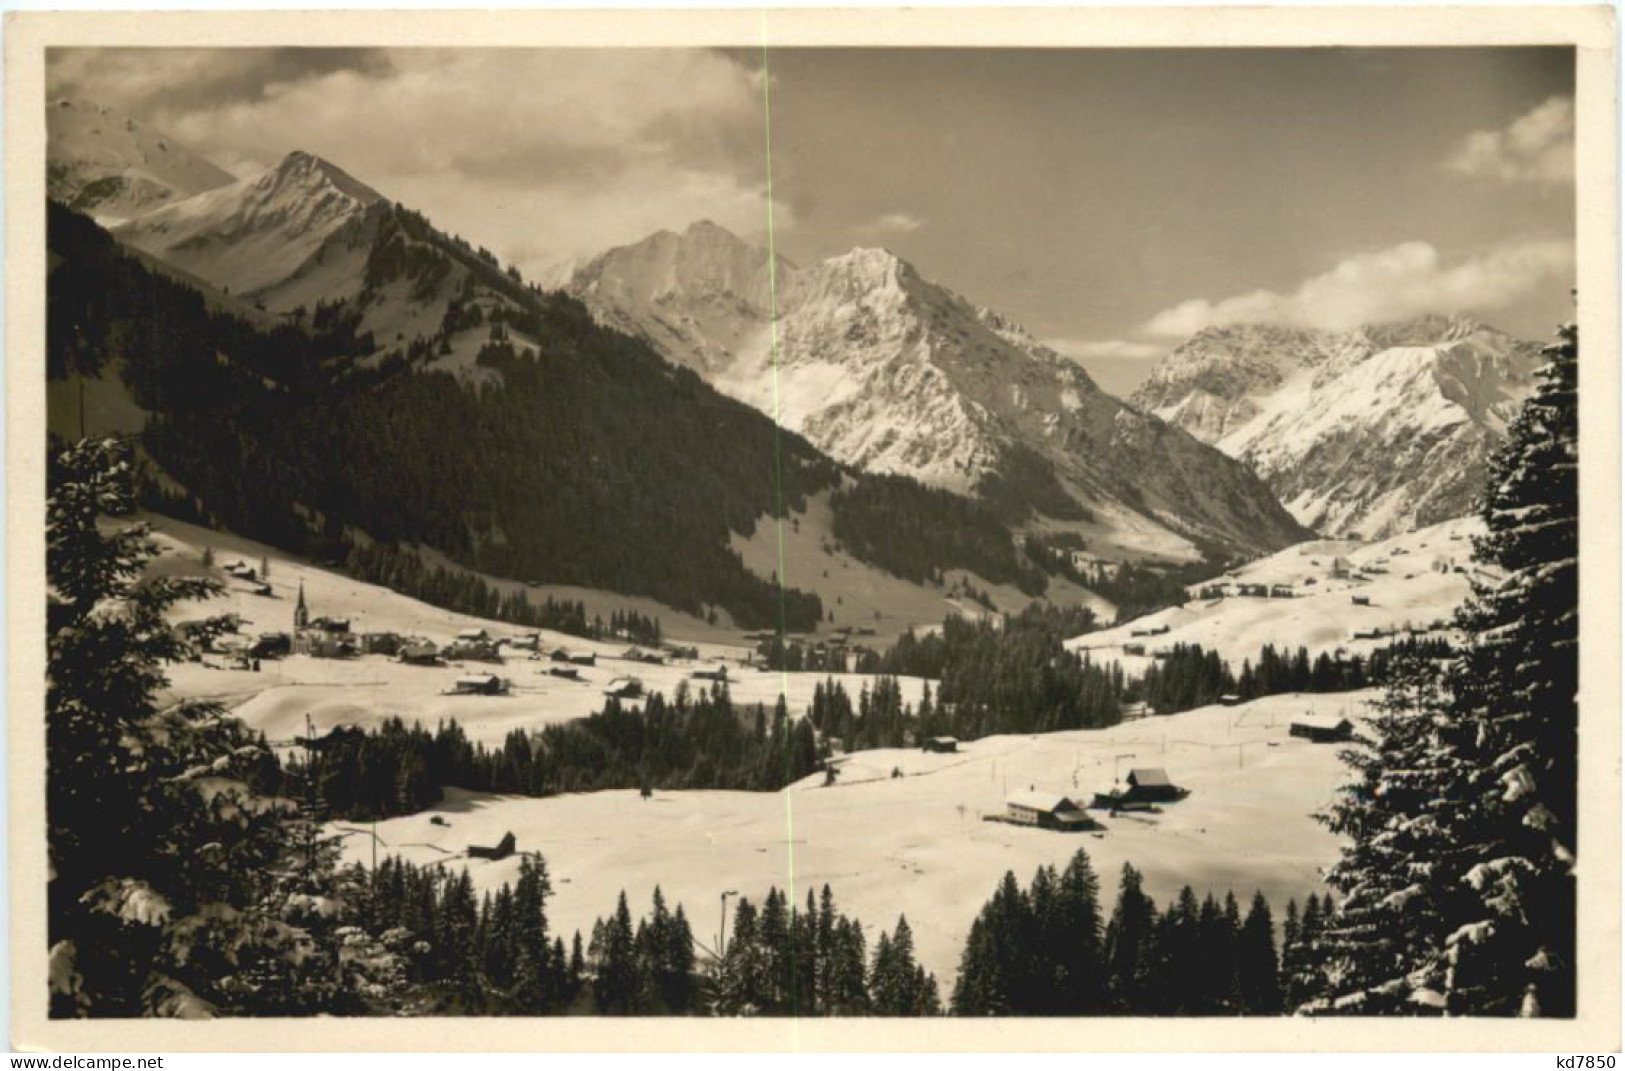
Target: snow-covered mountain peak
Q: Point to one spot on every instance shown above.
(891, 372)
(870, 266)
(303, 174)
(701, 296)
(1370, 431)
(259, 231)
(101, 161)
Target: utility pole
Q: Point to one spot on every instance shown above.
(722, 927)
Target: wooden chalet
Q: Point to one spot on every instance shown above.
(1047, 810)
(624, 688)
(472, 650)
(318, 644)
(941, 745)
(569, 673)
(503, 849)
(1151, 784)
(271, 645)
(479, 684)
(1360, 600)
(719, 673)
(584, 660)
(387, 644)
(417, 653)
(1322, 728)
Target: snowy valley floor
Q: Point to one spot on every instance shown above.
(914, 845)
(917, 845)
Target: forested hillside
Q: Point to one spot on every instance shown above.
(587, 460)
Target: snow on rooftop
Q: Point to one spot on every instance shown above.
(1039, 800)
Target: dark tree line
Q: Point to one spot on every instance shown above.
(697, 740)
(879, 718)
(700, 739)
(462, 955)
(1187, 676)
(1137, 590)
(647, 970)
(917, 532)
(781, 961)
(457, 589)
(1049, 949)
(1024, 483)
(1011, 675)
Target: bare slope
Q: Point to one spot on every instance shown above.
(859, 595)
(1408, 581)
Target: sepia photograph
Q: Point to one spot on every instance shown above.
(822, 528)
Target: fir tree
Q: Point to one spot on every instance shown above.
(899, 986)
(1257, 970)
(1303, 977)
(158, 843)
(1398, 815)
(1127, 944)
(536, 986)
(1510, 947)
(1080, 967)
(1459, 877)
(615, 983)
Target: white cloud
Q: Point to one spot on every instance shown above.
(1398, 283)
(894, 223)
(539, 154)
(1118, 349)
(1537, 147)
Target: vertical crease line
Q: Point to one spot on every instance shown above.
(779, 505)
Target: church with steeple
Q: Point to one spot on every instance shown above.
(301, 612)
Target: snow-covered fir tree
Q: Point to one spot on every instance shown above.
(159, 843)
(1510, 947)
(1459, 879)
(1399, 817)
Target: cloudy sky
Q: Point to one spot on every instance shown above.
(1113, 201)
